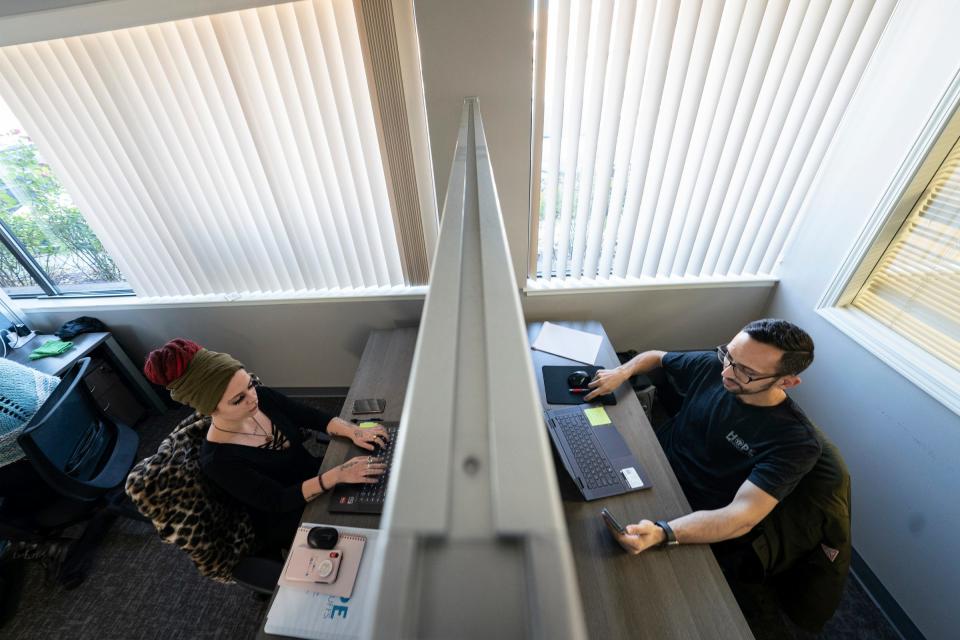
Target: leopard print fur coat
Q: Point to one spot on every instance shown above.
(168, 488)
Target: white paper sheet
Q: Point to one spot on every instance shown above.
(302, 614)
(568, 343)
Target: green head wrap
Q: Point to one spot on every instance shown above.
(205, 380)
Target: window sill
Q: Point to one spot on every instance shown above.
(935, 377)
(568, 285)
(88, 304)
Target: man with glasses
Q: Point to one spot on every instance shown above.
(739, 444)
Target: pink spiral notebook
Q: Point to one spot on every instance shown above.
(351, 547)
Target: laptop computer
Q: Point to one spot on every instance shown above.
(597, 458)
(366, 498)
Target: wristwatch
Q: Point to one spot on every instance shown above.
(671, 540)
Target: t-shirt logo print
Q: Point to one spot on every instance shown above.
(740, 444)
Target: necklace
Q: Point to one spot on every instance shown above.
(263, 432)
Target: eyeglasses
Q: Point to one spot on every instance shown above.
(738, 370)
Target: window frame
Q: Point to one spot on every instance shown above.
(27, 261)
(50, 288)
(937, 378)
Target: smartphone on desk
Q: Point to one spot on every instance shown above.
(369, 405)
(611, 522)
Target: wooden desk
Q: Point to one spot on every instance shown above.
(383, 373)
(103, 344)
(676, 593)
(661, 593)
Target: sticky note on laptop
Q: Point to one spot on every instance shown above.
(369, 425)
(597, 416)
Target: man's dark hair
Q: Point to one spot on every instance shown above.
(796, 344)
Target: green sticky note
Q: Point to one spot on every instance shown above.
(368, 425)
(597, 416)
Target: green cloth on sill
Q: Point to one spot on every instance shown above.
(50, 348)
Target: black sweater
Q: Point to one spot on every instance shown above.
(267, 483)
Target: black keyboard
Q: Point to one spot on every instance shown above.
(594, 466)
(377, 493)
(366, 498)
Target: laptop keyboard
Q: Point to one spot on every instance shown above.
(594, 467)
(376, 493)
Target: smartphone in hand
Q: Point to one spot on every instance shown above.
(612, 523)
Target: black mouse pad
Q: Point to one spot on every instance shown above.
(558, 391)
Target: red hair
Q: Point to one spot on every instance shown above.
(169, 362)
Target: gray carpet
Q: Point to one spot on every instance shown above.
(140, 588)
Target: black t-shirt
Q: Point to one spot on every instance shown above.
(267, 482)
(716, 441)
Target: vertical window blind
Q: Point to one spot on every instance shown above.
(915, 287)
(681, 136)
(223, 154)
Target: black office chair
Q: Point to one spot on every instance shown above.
(77, 459)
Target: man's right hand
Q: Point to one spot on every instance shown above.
(606, 381)
(640, 537)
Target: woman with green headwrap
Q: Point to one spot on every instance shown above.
(254, 449)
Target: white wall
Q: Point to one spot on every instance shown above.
(296, 344)
(659, 319)
(482, 49)
(902, 446)
(15, 7)
(318, 344)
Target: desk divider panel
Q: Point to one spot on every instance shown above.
(474, 542)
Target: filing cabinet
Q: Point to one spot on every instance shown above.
(112, 395)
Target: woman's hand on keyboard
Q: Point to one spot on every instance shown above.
(361, 470)
(369, 439)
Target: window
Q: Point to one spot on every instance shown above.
(680, 138)
(915, 288)
(48, 248)
(230, 155)
(898, 292)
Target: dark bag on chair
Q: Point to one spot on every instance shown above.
(804, 544)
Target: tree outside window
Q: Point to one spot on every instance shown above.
(40, 216)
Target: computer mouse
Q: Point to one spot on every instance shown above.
(578, 379)
(322, 537)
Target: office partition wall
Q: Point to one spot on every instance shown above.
(474, 543)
